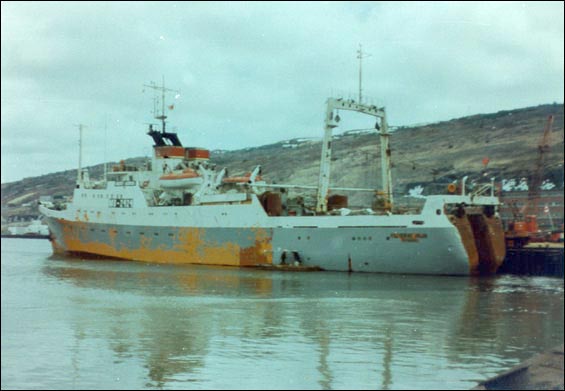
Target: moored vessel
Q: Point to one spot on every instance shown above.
(185, 209)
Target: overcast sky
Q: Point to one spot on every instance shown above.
(255, 73)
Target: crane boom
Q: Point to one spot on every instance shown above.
(537, 176)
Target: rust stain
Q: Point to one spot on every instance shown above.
(409, 237)
(112, 233)
(466, 232)
(57, 247)
(194, 249)
(489, 239)
(497, 234)
(189, 248)
(261, 252)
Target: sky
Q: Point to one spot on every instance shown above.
(255, 73)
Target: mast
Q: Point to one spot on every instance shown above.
(79, 171)
(105, 157)
(385, 159)
(360, 56)
(331, 121)
(163, 90)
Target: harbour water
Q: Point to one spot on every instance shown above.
(69, 323)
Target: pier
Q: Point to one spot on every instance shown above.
(537, 259)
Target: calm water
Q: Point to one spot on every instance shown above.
(74, 324)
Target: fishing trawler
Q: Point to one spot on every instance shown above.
(184, 209)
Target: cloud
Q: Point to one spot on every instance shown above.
(256, 73)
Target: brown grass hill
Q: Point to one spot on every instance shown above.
(422, 155)
(432, 153)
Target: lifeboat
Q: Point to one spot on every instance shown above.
(241, 179)
(186, 178)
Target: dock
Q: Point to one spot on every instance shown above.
(536, 259)
(541, 372)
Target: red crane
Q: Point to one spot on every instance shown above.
(522, 232)
(536, 179)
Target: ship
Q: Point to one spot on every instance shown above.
(184, 209)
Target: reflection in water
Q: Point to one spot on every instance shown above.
(134, 325)
(387, 375)
(176, 344)
(507, 313)
(181, 314)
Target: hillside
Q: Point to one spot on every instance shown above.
(433, 153)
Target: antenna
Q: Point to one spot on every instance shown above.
(360, 56)
(105, 147)
(79, 174)
(163, 89)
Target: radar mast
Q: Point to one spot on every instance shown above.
(163, 90)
